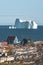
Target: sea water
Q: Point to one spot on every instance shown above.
(34, 34)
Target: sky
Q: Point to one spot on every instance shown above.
(22, 9)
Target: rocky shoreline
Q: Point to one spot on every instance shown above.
(22, 54)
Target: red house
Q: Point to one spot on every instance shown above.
(4, 43)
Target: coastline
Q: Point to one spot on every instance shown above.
(23, 55)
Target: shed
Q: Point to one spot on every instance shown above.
(26, 41)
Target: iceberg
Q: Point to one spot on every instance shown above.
(28, 24)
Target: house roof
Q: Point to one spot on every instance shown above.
(11, 37)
